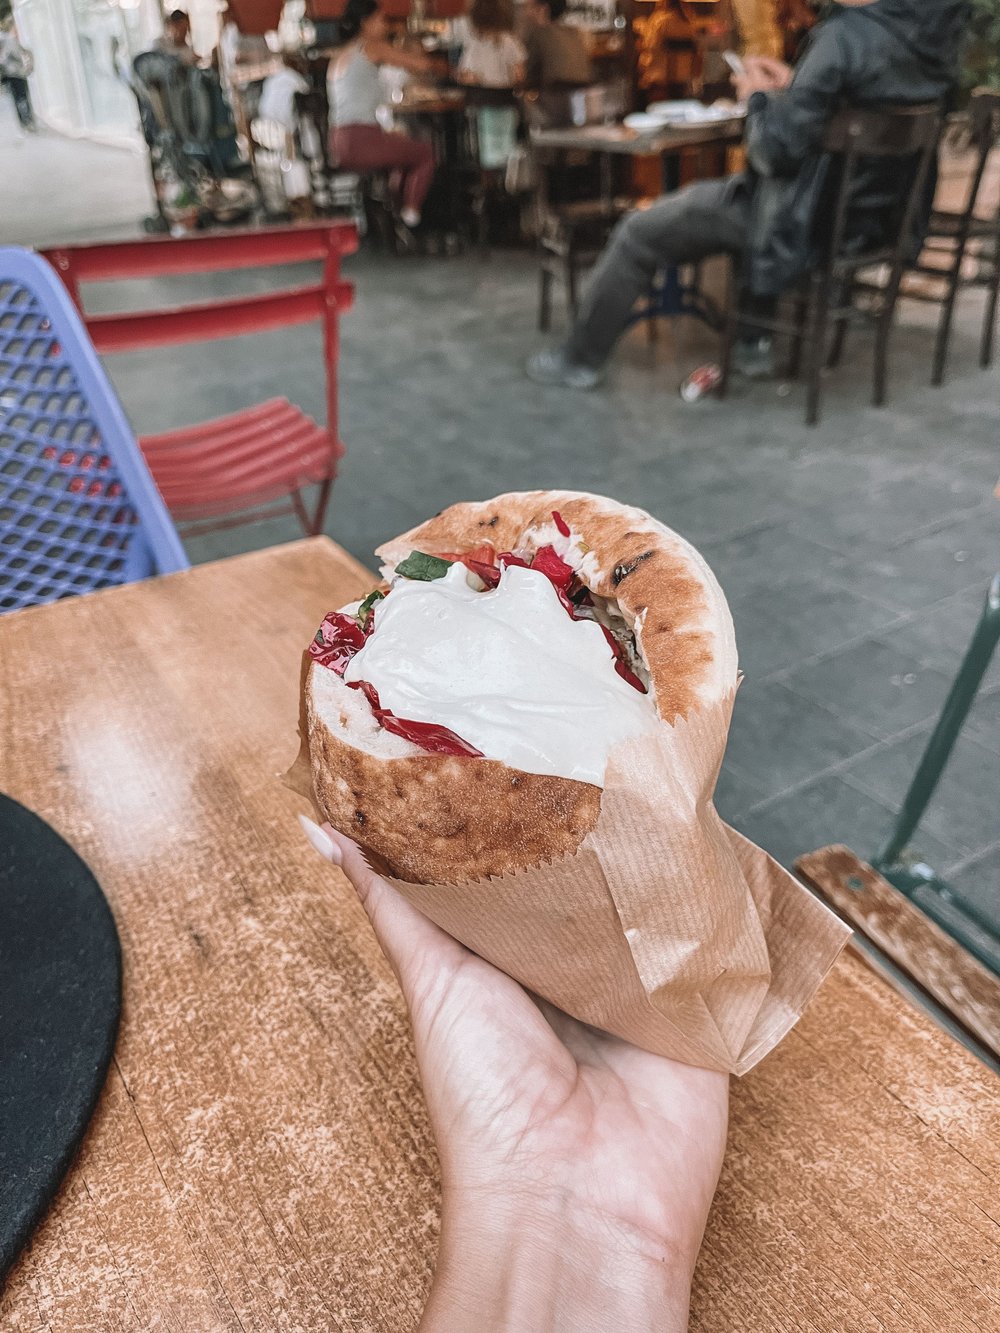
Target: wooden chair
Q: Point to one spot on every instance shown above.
(571, 233)
(826, 296)
(255, 463)
(949, 235)
(493, 130)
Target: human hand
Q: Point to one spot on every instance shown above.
(761, 74)
(577, 1170)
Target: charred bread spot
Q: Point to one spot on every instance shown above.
(622, 571)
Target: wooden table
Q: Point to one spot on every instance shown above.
(260, 1159)
(670, 295)
(619, 139)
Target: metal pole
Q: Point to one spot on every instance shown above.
(949, 724)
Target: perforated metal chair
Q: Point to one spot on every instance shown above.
(78, 507)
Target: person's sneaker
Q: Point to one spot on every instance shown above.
(553, 367)
(754, 358)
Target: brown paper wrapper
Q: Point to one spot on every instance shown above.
(666, 927)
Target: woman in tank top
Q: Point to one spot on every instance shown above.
(357, 141)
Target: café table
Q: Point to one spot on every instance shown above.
(670, 295)
(439, 114)
(260, 1157)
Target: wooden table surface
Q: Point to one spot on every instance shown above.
(618, 138)
(260, 1158)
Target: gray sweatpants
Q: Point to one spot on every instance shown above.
(707, 218)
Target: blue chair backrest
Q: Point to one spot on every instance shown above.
(78, 507)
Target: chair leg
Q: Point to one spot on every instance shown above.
(990, 317)
(943, 337)
(571, 285)
(883, 328)
(840, 328)
(302, 514)
(315, 525)
(819, 305)
(795, 356)
(729, 328)
(544, 297)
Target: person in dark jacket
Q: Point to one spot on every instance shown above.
(866, 51)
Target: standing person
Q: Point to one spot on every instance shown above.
(865, 51)
(492, 57)
(357, 141)
(557, 52)
(15, 66)
(176, 39)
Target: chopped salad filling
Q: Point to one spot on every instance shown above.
(342, 634)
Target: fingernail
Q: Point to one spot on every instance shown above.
(326, 847)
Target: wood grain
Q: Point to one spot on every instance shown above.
(936, 962)
(261, 1159)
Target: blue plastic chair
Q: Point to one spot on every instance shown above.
(78, 507)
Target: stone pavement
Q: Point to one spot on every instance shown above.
(855, 555)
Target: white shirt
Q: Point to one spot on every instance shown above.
(491, 59)
(277, 97)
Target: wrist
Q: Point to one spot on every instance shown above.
(547, 1264)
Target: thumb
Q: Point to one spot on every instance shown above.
(418, 951)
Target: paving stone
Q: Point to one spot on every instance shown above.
(822, 812)
(778, 739)
(873, 686)
(939, 636)
(964, 811)
(924, 570)
(801, 618)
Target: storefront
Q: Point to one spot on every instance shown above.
(82, 51)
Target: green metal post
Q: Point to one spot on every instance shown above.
(949, 724)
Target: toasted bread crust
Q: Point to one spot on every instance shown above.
(438, 819)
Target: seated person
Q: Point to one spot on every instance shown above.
(865, 51)
(492, 57)
(357, 141)
(277, 97)
(557, 53)
(176, 39)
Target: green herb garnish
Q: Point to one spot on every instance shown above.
(365, 609)
(425, 568)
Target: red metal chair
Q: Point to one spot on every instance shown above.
(259, 459)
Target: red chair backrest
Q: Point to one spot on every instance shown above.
(226, 317)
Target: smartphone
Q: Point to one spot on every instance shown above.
(734, 62)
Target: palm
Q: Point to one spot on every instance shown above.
(521, 1094)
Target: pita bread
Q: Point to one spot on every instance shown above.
(431, 818)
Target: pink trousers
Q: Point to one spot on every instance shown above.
(369, 148)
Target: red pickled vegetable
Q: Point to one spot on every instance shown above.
(506, 558)
(561, 525)
(428, 735)
(484, 554)
(489, 574)
(552, 566)
(337, 640)
(621, 666)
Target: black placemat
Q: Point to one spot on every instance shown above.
(60, 997)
